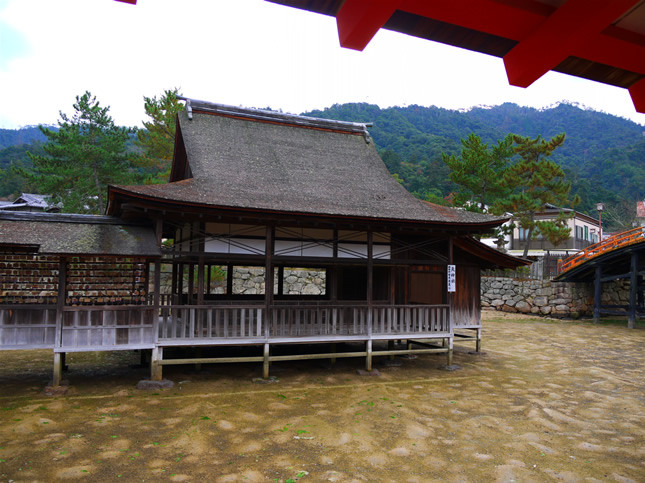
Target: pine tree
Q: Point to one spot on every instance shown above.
(536, 181)
(479, 171)
(157, 140)
(87, 153)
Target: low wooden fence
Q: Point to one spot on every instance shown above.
(93, 328)
(107, 327)
(203, 323)
(27, 327)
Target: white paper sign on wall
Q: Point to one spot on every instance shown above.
(452, 279)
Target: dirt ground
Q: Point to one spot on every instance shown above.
(548, 400)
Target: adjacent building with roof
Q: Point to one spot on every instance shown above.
(272, 192)
(31, 202)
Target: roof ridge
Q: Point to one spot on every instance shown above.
(273, 116)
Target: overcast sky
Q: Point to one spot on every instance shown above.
(243, 52)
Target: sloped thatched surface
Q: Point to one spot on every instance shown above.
(74, 234)
(278, 167)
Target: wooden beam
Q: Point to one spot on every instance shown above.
(571, 25)
(359, 20)
(504, 19)
(616, 47)
(637, 92)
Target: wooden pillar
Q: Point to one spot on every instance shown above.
(333, 272)
(60, 305)
(597, 296)
(156, 302)
(200, 281)
(268, 293)
(478, 342)
(58, 369)
(370, 296)
(368, 357)
(191, 282)
(280, 280)
(156, 369)
(180, 282)
(229, 279)
(265, 364)
(633, 290)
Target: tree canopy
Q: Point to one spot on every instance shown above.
(479, 170)
(85, 154)
(534, 181)
(158, 138)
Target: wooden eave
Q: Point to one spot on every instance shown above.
(490, 255)
(125, 204)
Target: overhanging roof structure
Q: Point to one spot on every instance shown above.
(600, 40)
(233, 159)
(70, 234)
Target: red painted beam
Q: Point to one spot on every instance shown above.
(614, 48)
(571, 25)
(637, 91)
(511, 21)
(516, 20)
(359, 20)
(132, 2)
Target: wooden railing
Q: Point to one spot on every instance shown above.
(27, 326)
(202, 323)
(108, 326)
(210, 322)
(619, 240)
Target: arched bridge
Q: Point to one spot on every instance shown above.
(621, 256)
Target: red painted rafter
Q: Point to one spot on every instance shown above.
(570, 26)
(358, 21)
(515, 21)
(637, 91)
(504, 19)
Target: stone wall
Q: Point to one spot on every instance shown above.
(297, 281)
(544, 297)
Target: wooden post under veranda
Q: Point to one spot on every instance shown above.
(59, 359)
(268, 296)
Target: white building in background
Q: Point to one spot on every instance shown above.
(585, 231)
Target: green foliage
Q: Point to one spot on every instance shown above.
(16, 137)
(85, 155)
(479, 170)
(535, 181)
(158, 138)
(603, 155)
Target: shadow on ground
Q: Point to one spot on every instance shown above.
(548, 400)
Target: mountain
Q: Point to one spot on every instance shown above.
(25, 135)
(603, 155)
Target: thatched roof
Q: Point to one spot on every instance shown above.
(270, 162)
(66, 234)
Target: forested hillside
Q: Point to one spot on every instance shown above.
(26, 135)
(603, 155)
